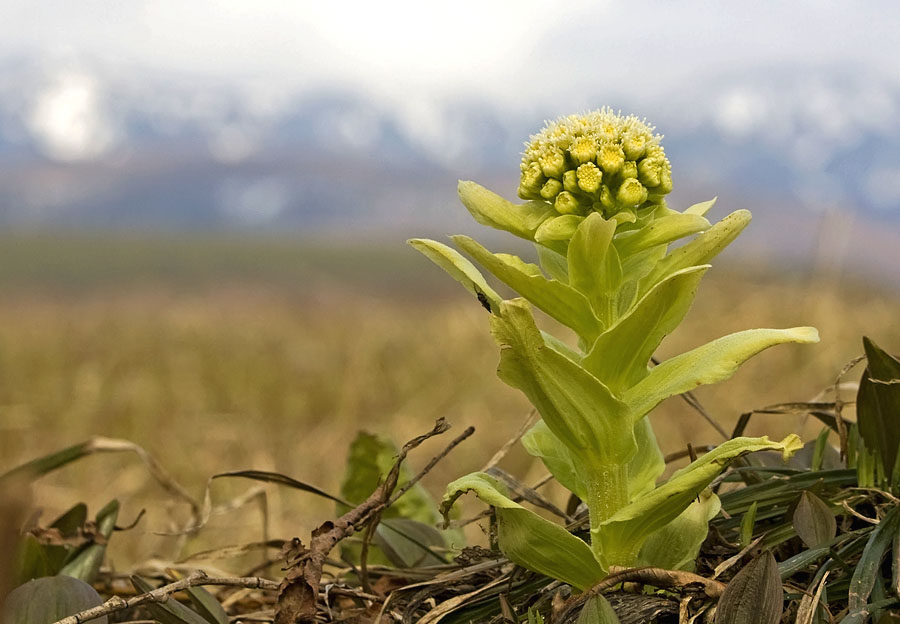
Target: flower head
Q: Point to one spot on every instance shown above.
(599, 161)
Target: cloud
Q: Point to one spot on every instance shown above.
(68, 118)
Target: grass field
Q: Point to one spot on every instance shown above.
(219, 353)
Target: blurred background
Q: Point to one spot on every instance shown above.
(203, 210)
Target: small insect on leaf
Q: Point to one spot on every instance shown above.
(483, 300)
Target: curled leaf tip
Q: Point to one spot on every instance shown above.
(791, 445)
(806, 335)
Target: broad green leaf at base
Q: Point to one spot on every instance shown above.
(528, 539)
(623, 535)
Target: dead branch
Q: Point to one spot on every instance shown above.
(657, 577)
(300, 588)
(162, 594)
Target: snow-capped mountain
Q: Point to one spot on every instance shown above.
(81, 147)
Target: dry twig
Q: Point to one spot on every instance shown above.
(656, 577)
(300, 587)
(162, 594)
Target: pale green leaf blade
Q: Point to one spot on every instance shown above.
(562, 348)
(702, 208)
(558, 300)
(459, 268)
(540, 442)
(597, 611)
(644, 468)
(620, 354)
(528, 539)
(711, 363)
(553, 263)
(648, 462)
(577, 407)
(661, 231)
(491, 210)
(595, 269)
(557, 229)
(700, 250)
(369, 460)
(677, 544)
(624, 533)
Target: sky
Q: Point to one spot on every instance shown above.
(812, 80)
(510, 52)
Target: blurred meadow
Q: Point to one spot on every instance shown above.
(218, 353)
(203, 210)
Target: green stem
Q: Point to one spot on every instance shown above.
(607, 492)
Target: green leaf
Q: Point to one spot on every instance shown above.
(43, 465)
(49, 599)
(713, 362)
(597, 611)
(648, 462)
(526, 538)
(661, 231)
(748, 523)
(700, 250)
(68, 524)
(677, 544)
(878, 404)
(369, 460)
(170, 611)
(207, 606)
(277, 478)
(577, 407)
(539, 441)
(813, 520)
(553, 263)
(491, 210)
(867, 569)
(624, 533)
(754, 595)
(557, 229)
(534, 616)
(620, 354)
(31, 560)
(408, 543)
(559, 301)
(644, 468)
(459, 269)
(406, 535)
(85, 564)
(702, 208)
(594, 266)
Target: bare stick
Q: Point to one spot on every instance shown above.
(376, 518)
(162, 594)
(434, 460)
(500, 454)
(656, 577)
(300, 587)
